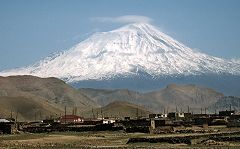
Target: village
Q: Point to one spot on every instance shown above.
(171, 128)
(154, 123)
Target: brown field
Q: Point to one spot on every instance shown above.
(104, 139)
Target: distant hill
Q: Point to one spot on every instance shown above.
(106, 96)
(45, 96)
(118, 109)
(182, 96)
(173, 95)
(226, 103)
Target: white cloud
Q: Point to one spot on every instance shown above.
(236, 60)
(124, 19)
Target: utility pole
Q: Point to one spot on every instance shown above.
(65, 112)
(238, 103)
(136, 101)
(97, 114)
(11, 114)
(40, 115)
(137, 112)
(16, 116)
(93, 113)
(75, 111)
(101, 113)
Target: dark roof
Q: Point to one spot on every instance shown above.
(71, 117)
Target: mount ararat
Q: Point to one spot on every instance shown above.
(136, 56)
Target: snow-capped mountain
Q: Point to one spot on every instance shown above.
(127, 51)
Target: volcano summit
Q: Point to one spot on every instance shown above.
(137, 53)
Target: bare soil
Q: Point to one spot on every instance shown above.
(101, 140)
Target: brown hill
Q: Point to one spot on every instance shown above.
(106, 96)
(29, 95)
(180, 96)
(21, 108)
(226, 103)
(118, 109)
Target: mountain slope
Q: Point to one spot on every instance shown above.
(132, 50)
(225, 103)
(119, 109)
(105, 96)
(49, 95)
(182, 96)
(25, 108)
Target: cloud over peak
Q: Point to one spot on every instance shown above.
(124, 19)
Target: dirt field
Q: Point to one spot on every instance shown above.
(100, 140)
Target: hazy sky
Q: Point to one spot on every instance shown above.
(33, 29)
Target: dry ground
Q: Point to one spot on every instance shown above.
(95, 140)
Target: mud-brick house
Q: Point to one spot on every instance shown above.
(175, 115)
(234, 123)
(135, 125)
(160, 122)
(201, 120)
(234, 117)
(161, 126)
(152, 115)
(6, 127)
(162, 115)
(71, 119)
(109, 120)
(226, 113)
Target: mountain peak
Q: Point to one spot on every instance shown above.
(128, 51)
(135, 26)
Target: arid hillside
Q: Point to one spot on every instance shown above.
(180, 96)
(118, 109)
(29, 96)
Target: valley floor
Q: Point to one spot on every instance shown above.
(107, 139)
